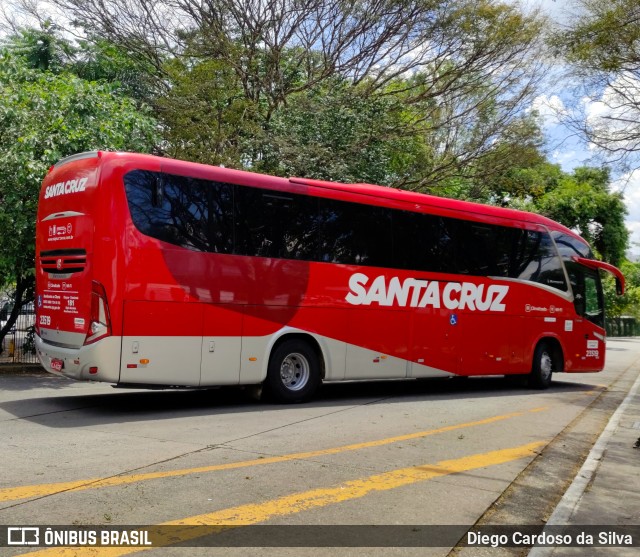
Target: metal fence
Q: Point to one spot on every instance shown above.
(623, 327)
(18, 347)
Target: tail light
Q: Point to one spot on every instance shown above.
(100, 322)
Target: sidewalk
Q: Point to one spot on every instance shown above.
(606, 491)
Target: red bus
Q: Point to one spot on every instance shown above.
(157, 272)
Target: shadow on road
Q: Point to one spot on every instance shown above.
(78, 409)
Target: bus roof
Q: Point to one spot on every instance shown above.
(374, 191)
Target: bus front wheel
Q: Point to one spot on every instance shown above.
(294, 372)
(544, 364)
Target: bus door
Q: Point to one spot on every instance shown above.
(488, 343)
(221, 345)
(587, 340)
(435, 347)
(385, 334)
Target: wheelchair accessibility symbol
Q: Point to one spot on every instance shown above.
(453, 319)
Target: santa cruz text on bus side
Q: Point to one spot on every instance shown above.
(423, 293)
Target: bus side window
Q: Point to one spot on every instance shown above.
(277, 224)
(157, 189)
(438, 244)
(477, 249)
(587, 292)
(594, 302)
(191, 213)
(355, 234)
(187, 212)
(425, 242)
(220, 217)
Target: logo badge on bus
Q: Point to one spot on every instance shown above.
(56, 364)
(59, 264)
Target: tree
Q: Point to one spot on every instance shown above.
(102, 61)
(469, 68)
(582, 201)
(42, 49)
(44, 117)
(94, 59)
(514, 168)
(603, 47)
(205, 115)
(629, 303)
(337, 131)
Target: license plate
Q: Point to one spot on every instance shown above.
(56, 364)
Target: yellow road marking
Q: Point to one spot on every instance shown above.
(244, 515)
(41, 490)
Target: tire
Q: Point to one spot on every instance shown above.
(544, 364)
(293, 374)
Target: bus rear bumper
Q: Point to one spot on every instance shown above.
(95, 362)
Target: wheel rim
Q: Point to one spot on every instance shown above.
(295, 371)
(546, 365)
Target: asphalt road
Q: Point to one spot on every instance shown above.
(438, 452)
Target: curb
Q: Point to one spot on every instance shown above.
(21, 369)
(570, 501)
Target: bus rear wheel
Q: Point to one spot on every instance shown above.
(543, 366)
(293, 374)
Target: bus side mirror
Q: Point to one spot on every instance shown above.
(619, 287)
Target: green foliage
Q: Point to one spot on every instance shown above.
(45, 116)
(605, 37)
(582, 201)
(629, 303)
(41, 49)
(104, 62)
(205, 115)
(515, 167)
(339, 132)
(410, 94)
(45, 49)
